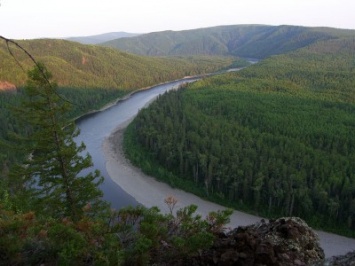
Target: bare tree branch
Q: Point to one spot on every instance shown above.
(26, 52)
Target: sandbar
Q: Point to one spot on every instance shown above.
(150, 192)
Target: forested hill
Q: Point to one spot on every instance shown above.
(276, 138)
(88, 66)
(89, 76)
(253, 41)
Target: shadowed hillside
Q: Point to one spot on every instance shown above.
(89, 76)
(255, 41)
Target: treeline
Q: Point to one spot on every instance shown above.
(86, 66)
(275, 138)
(52, 211)
(82, 100)
(88, 76)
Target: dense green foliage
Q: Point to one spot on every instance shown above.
(51, 175)
(253, 41)
(131, 236)
(86, 66)
(275, 138)
(88, 76)
(82, 101)
(52, 213)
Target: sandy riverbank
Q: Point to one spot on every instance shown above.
(150, 192)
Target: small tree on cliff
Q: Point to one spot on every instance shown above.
(53, 171)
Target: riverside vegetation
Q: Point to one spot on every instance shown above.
(51, 213)
(87, 76)
(274, 139)
(80, 229)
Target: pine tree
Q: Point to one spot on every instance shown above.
(53, 171)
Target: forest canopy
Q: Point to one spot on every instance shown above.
(52, 212)
(89, 77)
(275, 138)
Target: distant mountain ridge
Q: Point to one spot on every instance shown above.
(100, 38)
(255, 41)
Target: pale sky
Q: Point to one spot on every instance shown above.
(26, 19)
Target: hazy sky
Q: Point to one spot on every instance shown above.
(22, 19)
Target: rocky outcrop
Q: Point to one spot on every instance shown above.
(345, 260)
(285, 241)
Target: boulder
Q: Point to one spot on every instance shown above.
(285, 241)
(344, 260)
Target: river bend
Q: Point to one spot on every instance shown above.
(121, 190)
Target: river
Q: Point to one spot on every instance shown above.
(95, 127)
(98, 127)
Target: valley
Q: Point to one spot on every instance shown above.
(273, 139)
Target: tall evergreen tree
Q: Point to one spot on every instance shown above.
(53, 171)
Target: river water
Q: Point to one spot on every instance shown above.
(94, 128)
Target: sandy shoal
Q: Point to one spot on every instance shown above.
(150, 192)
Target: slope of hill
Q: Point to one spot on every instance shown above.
(275, 138)
(254, 41)
(100, 38)
(89, 76)
(78, 65)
